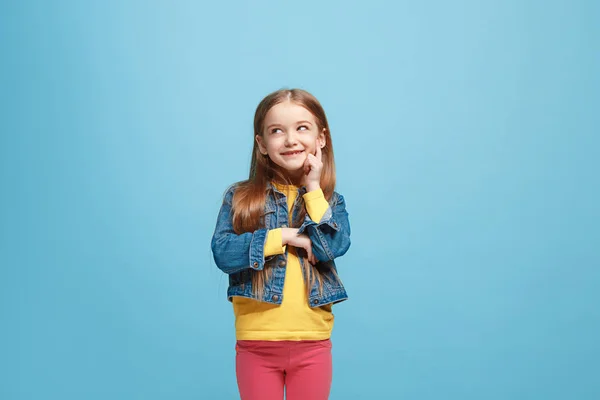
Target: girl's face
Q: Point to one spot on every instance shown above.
(290, 134)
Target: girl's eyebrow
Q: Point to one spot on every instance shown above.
(297, 123)
(273, 125)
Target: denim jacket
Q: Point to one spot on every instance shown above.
(237, 255)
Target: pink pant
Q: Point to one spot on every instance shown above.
(263, 368)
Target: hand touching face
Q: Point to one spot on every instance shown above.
(313, 166)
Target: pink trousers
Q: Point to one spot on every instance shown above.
(265, 368)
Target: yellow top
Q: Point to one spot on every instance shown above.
(294, 319)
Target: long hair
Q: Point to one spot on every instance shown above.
(250, 195)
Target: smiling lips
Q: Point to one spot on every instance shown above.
(292, 153)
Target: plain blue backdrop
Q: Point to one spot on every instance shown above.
(466, 135)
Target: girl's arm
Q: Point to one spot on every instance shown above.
(330, 236)
(232, 252)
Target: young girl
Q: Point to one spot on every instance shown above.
(277, 236)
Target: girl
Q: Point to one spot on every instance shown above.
(277, 236)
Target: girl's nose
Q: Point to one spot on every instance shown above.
(290, 139)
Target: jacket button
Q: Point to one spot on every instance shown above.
(282, 263)
(255, 264)
(275, 297)
(335, 225)
(315, 301)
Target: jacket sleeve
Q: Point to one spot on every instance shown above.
(330, 236)
(234, 252)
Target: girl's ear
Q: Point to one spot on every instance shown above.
(322, 139)
(261, 146)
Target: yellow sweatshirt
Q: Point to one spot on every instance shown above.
(294, 319)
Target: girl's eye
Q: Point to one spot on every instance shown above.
(276, 130)
(303, 128)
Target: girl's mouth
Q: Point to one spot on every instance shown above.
(292, 153)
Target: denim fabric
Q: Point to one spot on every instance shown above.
(237, 255)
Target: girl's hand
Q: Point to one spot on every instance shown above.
(312, 169)
(290, 237)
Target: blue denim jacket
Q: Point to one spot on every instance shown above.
(237, 255)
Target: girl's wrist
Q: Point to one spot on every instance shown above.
(312, 186)
(287, 234)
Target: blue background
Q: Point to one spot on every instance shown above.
(467, 145)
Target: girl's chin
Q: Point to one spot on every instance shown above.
(292, 167)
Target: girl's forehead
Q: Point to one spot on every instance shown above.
(288, 113)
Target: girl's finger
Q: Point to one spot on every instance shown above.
(307, 161)
(319, 154)
(309, 253)
(314, 161)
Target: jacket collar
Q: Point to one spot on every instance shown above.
(271, 187)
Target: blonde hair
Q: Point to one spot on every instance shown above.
(250, 195)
